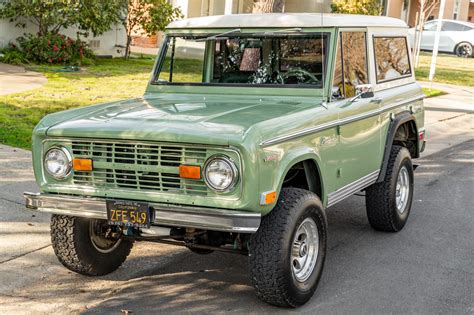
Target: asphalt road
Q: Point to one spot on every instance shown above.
(426, 268)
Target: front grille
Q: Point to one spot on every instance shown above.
(138, 166)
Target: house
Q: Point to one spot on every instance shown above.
(462, 10)
(111, 43)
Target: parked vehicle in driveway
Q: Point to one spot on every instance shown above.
(251, 126)
(456, 37)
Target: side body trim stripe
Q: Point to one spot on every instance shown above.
(338, 122)
(348, 190)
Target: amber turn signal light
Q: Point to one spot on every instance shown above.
(267, 198)
(189, 171)
(82, 165)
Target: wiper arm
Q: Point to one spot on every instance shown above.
(213, 37)
(287, 30)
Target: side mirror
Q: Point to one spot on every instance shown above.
(365, 90)
(362, 91)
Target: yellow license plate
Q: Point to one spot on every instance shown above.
(128, 213)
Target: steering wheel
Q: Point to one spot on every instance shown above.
(299, 73)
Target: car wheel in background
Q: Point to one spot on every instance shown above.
(463, 50)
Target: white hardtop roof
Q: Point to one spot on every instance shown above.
(286, 20)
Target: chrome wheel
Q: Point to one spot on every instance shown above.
(402, 190)
(305, 249)
(99, 238)
(464, 50)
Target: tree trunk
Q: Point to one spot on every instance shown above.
(268, 6)
(127, 46)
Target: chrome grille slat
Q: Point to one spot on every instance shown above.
(138, 166)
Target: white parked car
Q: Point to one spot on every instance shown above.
(456, 37)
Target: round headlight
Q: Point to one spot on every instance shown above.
(57, 162)
(220, 173)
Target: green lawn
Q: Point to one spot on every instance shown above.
(115, 79)
(449, 69)
(433, 92)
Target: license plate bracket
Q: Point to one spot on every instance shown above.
(128, 213)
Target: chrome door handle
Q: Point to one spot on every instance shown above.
(376, 100)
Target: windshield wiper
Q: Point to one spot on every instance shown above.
(288, 30)
(213, 37)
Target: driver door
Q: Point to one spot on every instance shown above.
(359, 123)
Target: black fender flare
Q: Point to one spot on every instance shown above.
(400, 119)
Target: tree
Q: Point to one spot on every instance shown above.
(50, 16)
(367, 7)
(148, 17)
(268, 6)
(426, 7)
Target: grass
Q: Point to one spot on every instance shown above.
(115, 79)
(108, 80)
(433, 92)
(449, 69)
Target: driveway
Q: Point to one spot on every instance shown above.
(426, 268)
(14, 79)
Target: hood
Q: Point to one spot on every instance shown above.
(182, 118)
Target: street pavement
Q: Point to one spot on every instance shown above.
(426, 268)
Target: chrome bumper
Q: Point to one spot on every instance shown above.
(164, 214)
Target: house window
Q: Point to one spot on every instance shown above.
(350, 68)
(456, 9)
(391, 58)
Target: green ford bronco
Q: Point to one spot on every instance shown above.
(250, 127)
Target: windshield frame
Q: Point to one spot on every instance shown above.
(154, 84)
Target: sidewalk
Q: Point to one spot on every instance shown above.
(448, 118)
(459, 98)
(14, 79)
(144, 50)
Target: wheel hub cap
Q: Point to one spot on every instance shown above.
(402, 190)
(305, 249)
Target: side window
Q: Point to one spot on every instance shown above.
(450, 26)
(351, 64)
(391, 58)
(430, 26)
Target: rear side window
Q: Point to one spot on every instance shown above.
(454, 27)
(351, 64)
(391, 58)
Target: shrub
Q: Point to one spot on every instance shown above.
(12, 55)
(367, 7)
(54, 49)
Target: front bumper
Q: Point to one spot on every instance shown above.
(164, 214)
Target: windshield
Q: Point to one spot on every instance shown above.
(282, 60)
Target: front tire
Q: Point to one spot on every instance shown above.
(287, 254)
(388, 203)
(81, 246)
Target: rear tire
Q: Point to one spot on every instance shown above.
(388, 203)
(287, 254)
(463, 49)
(80, 247)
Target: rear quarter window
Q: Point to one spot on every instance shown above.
(391, 58)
